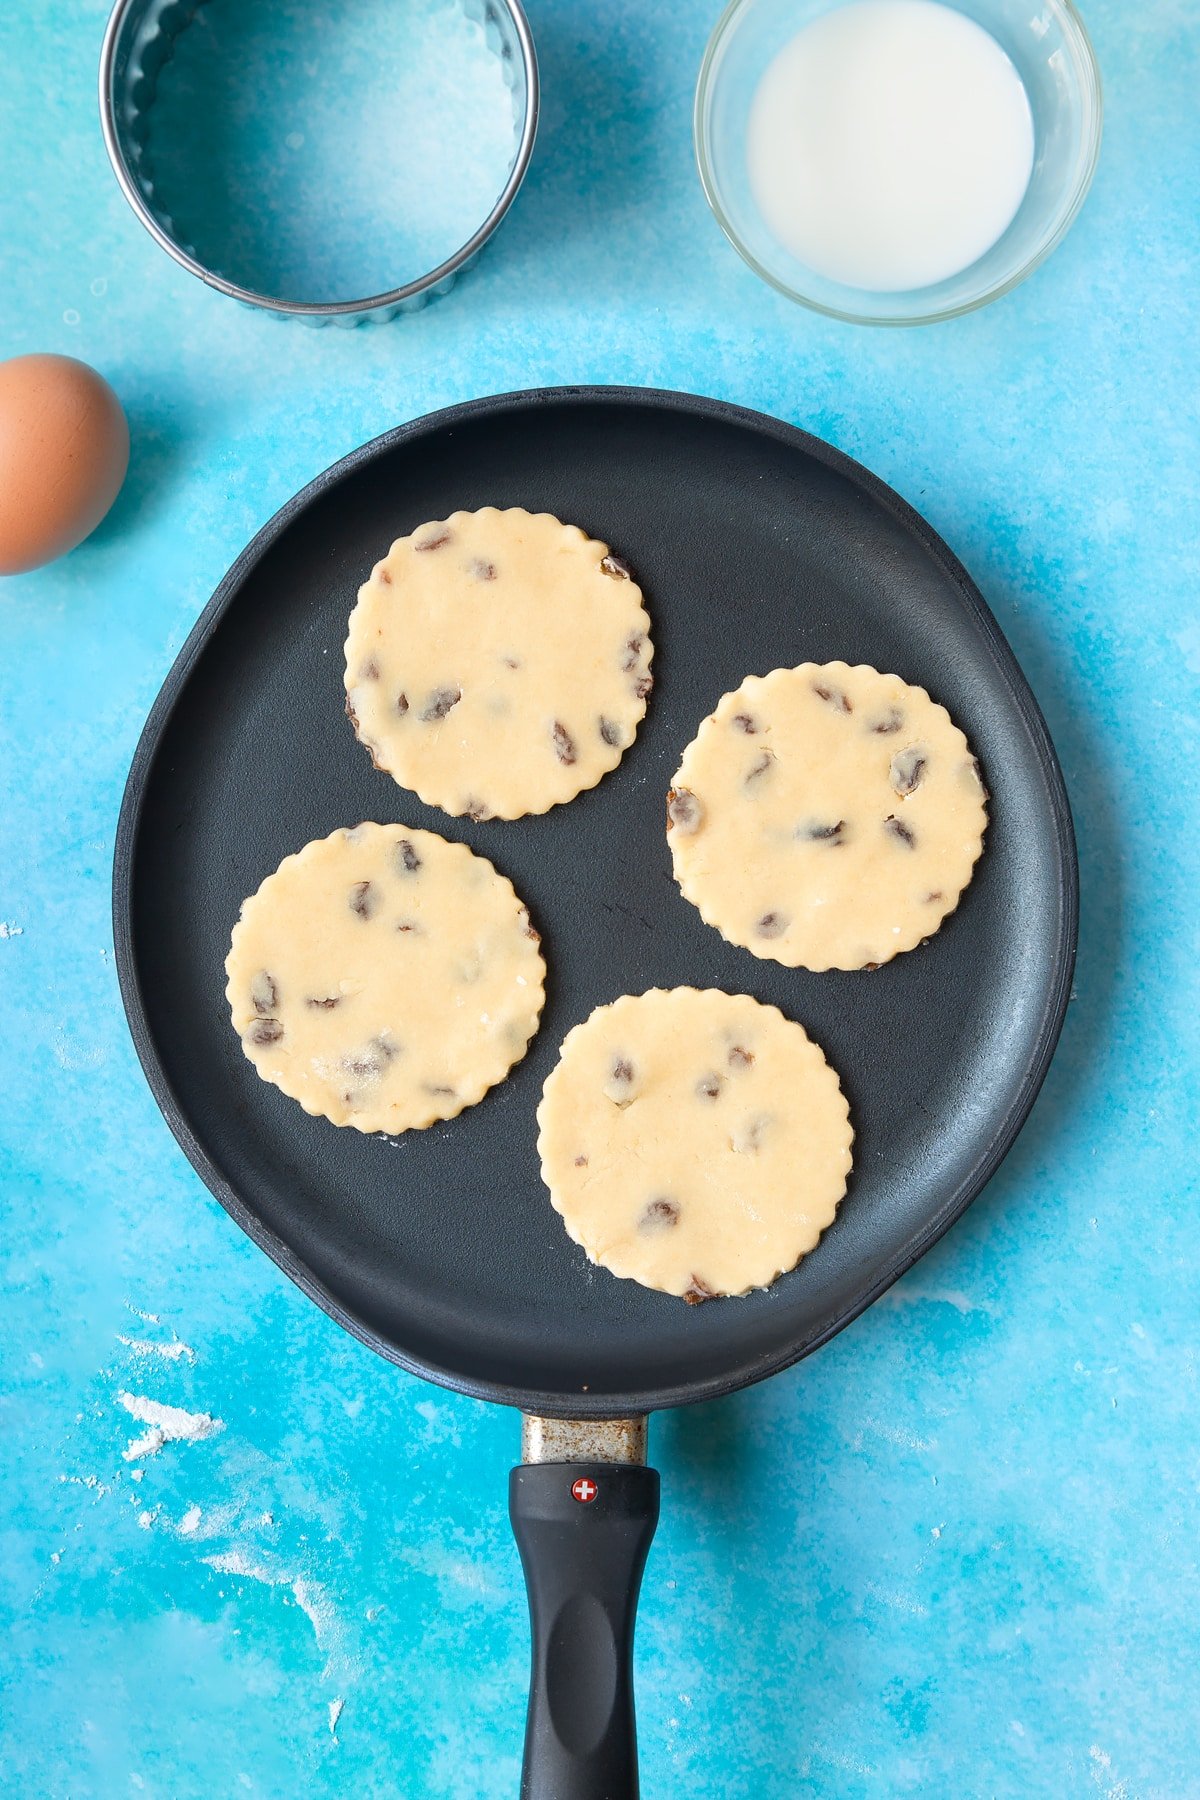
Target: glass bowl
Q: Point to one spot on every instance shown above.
(1051, 52)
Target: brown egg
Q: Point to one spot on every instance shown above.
(64, 450)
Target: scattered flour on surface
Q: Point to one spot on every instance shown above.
(145, 1317)
(1101, 1772)
(10, 930)
(71, 1054)
(317, 1607)
(148, 1347)
(235, 1562)
(335, 1713)
(843, 1759)
(190, 1520)
(893, 1434)
(896, 1600)
(168, 1425)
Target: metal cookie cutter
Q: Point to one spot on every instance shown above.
(139, 41)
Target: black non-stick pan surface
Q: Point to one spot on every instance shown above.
(757, 547)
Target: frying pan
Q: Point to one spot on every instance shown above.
(757, 546)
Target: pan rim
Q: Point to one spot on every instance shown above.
(1019, 693)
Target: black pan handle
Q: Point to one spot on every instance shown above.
(583, 1530)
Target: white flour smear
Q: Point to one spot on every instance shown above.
(9, 930)
(168, 1425)
(335, 1713)
(310, 1596)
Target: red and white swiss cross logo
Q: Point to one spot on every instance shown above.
(584, 1489)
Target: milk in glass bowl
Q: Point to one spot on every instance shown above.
(897, 161)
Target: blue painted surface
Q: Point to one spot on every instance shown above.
(955, 1552)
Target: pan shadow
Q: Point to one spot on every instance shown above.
(709, 1444)
(1084, 751)
(156, 446)
(729, 1457)
(756, 1560)
(606, 144)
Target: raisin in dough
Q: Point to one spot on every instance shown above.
(825, 816)
(696, 1142)
(498, 662)
(384, 978)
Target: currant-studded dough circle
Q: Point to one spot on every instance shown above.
(826, 816)
(498, 662)
(694, 1141)
(384, 978)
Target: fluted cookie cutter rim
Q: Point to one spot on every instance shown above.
(137, 43)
